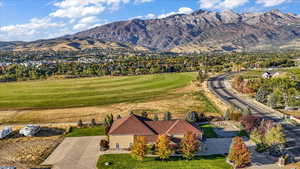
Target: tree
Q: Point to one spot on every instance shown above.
(202, 76)
(262, 94)
(145, 114)
(192, 117)
(163, 147)
(139, 148)
(167, 116)
(80, 123)
(239, 154)
(247, 111)
(275, 136)
(93, 122)
(108, 121)
(257, 137)
(155, 118)
(249, 122)
(189, 145)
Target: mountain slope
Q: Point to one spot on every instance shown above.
(200, 31)
(203, 30)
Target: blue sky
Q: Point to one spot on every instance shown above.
(28, 20)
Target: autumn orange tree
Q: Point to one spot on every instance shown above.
(189, 145)
(163, 147)
(239, 154)
(139, 148)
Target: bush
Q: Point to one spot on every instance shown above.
(233, 114)
(262, 94)
(155, 118)
(104, 145)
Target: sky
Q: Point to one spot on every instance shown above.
(28, 20)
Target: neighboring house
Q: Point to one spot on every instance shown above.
(267, 75)
(123, 131)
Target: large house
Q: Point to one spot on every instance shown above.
(124, 130)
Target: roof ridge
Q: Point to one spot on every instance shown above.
(173, 125)
(123, 121)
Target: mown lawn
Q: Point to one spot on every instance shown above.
(89, 91)
(125, 161)
(90, 131)
(208, 130)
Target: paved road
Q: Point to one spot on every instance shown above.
(76, 153)
(218, 87)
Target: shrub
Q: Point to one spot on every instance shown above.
(119, 117)
(239, 154)
(145, 114)
(233, 114)
(104, 145)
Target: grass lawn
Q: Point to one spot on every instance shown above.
(91, 131)
(208, 130)
(207, 104)
(89, 91)
(125, 161)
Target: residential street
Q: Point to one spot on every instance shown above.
(218, 87)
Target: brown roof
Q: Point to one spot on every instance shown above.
(136, 125)
(130, 125)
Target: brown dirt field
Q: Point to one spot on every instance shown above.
(178, 102)
(27, 152)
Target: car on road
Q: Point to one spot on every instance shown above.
(30, 130)
(5, 132)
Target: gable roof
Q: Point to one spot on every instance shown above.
(131, 125)
(136, 125)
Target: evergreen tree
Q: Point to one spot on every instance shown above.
(192, 117)
(108, 121)
(167, 116)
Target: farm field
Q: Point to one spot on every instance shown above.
(88, 91)
(125, 161)
(62, 101)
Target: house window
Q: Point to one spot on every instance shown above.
(117, 146)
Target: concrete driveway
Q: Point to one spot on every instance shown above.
(76, 153)
(215, 146)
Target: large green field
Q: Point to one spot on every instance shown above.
(125, 161)
(89, 91)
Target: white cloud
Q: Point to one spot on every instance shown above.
(142, 1)
(37, 27)
(182, 10)
(270, 3)
(77, 11)
(148, 16)
(85, 23)
(221, 4)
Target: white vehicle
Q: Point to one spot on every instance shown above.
(30, 130)
(5, 132)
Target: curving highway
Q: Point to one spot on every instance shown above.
(217, 86)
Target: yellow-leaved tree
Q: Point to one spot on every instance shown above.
(139, 148)
(163, 147)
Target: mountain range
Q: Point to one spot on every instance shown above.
(200, 31)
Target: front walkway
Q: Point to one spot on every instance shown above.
(76, 153)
